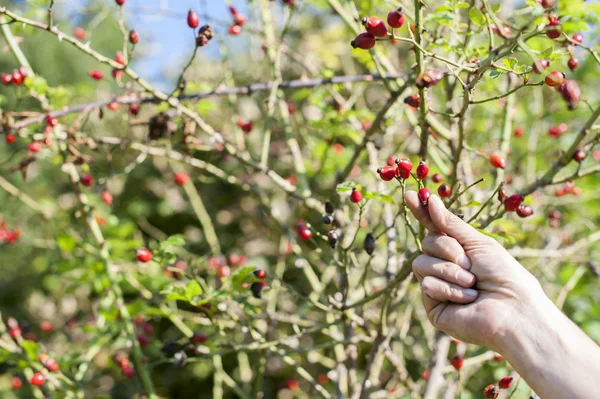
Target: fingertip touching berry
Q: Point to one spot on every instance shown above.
(424, 195)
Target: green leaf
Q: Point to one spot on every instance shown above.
(476, 16)
(347, 186)
(193, 289)
(462, 5)
(240, 276)
(66, 243)
(510, 63)
(495, 73)
(31, 349)
(374, 195)
(547, 53)
(443, 8)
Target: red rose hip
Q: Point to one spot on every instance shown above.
(192, 19)
(375, 26)
(356, 195)
(143, 255)
(424, 195)
(505, 382)
(396, 18)
(512, 203)
(457, 361)
(404, 168)
(498, 161)
(444, 191)
(387, 173)
(363, 41)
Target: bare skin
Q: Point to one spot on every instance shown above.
(474, 290)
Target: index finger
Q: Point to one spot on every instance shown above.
(421, 213)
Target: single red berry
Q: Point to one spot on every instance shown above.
(51, 121)
(570, 92)
(558, 129)
(555, 78)
(579, 156)
(498, 161)
(235, 30)
(547, 3)
(50, 364)
(10, 138)
(396, 18)
(6, 78)
(117, 73)
(134, 37)
(578, 38)
(491, 392)
(404, 168)
(356, 195)
(16, 383)
(363, 41)
(424, 195)
(245, 126)
(391, 161)
(143, 255)
(519, 131)
(199, 338)
(512, 203)
(148, 329)
(107, 197)
(120, 58)
(292, 384)
(87, 179)
(236, 259)
(444, 191)
(304, 232)
(413, 101)
(223, 271)
(114, 106)
(505, 382)
(96, 75)
(143, 341)
(181, 178)
(425, 374)
(128, 372)
(539, 66)
(17, 77)
(457, 361)
(387, 173)
(524, 211)
(23, 71)
(429, 78)
(553, 32)
(192, 19)
(422, 170)
(573, 63)
(239, 19)
(120, 2)
(498, 357)
(260, 273)
(15, 332)
(437, 178)
(291, 108)
(79, 33)
(34, 147)
(46, 326)
(134, 109)
(37, 379)
(375, 26)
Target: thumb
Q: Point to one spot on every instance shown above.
(449, 223)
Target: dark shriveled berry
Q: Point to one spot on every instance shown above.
(491, 392)
(579, 156)
(429, 78)
(332, 238)
(413, 100)
(256, 289)
(179, 359)
(327, 218)
(328, 207)
(369, 243)
(570, 92)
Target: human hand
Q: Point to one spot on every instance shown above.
(472, 288)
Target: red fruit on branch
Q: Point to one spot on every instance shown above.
(424, 195)
(120, 2)
(134, 109)
(224, 271)
(245, 126)
(304, 232)
(79, 33)
(504, 33)
(143, 341)
(87, 179)
(422, 170)
(457, 361)
(114, 106)
(375, 26)
(558, 129)
(51, 121)
(192, 19)
(524, 211)
(555, 78)
(573, 63)
(107, 197)
(15, 332)
(579, 156)
(37, 379)
(539, 66)
(34, 147)
(292, 385)
(391, 160)
(16, 383)
(437, 178)
(444, 191)
(519, 131)
(134, 38)
(363, 41)
(260, 273)
(181, 178)
(570, 92)
(6, 79)
(96, 75)
(356, 195)
(429, 78)
(120, 58)
(578, 38)
(505, 382)
(10, 138)
(199, 338)
(239, 19)
(491, 392)
(553, 32)
(547, 3)
(413, 100)
(46, 326)
(404, 168)
(117, 73)
(498, 161)
(50, 364)
(17, 78)
(143, 255)
(512, 203)
(128, 372)
(387, 173)
(396, 18)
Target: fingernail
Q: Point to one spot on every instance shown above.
(465, 277)
(470, 293)
(463, 261)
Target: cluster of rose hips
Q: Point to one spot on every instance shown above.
(17, 77)
(376, 28)
(223, 264)
(123, 362)
(239, 20)
(554, 217)
(568, 188)
(8, 235)
(492, 391)
(401, 169)
(205, 34)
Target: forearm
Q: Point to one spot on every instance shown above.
(553, 355)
